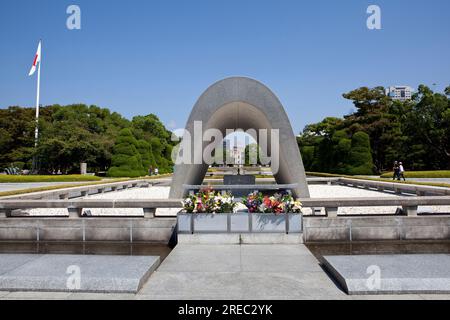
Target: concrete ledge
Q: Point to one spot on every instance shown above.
(227, 238)
(271, 238)
(243, 238)
(97, 273)
(87, 229)
(394, 228)
(391, 274)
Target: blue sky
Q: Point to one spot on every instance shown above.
(140, 57)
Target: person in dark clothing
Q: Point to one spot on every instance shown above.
(396, 175)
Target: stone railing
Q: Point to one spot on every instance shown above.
(398, 188)
(75, 207)
(331, 205)
(409, 204)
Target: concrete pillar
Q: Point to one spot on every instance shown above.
(149, 213)
(83, 168)
(331, 212)
(411, 211)
(74, 213)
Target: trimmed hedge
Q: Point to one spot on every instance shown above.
(47, 178)
(360, 157)
(126, 160)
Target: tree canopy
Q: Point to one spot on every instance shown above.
(416, 132)
(69, 135)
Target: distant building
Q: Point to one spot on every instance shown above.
(238, 155)
(226, 144)
(401, 93)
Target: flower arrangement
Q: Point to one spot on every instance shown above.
(278, 203)
(209, 201)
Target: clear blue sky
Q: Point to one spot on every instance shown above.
(140, 57)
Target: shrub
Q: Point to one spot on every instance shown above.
(360, 157)
(145, 150)
(126, 160)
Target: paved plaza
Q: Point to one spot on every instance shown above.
(68, 272)
(203, 272)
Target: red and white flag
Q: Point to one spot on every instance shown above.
(37, 59)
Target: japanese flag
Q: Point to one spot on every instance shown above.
(37, 59)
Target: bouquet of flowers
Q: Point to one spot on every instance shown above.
(253, 201)
(278, 203)
(209, 201)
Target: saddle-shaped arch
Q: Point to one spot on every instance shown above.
(242, 103)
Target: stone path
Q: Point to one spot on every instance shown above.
(240, 272)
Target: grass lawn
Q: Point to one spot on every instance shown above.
(421, 174)
(49, 178)
(68, 185)
(434, 184)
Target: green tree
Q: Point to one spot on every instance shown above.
(151, 129)
(360, 157)
(126, 160)
(145, 150)
(251, 153)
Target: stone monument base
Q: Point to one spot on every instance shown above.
(240, 180)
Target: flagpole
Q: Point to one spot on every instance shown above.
(36, 132)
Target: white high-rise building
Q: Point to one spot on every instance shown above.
(401, 93)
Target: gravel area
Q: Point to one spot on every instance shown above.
(317, 191)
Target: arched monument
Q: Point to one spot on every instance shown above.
(242, 103)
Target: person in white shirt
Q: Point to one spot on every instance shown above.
(156, 171)
(401, 172)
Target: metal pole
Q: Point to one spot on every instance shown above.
(36, 132)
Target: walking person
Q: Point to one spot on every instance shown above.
(401, 172)
(396, 175)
